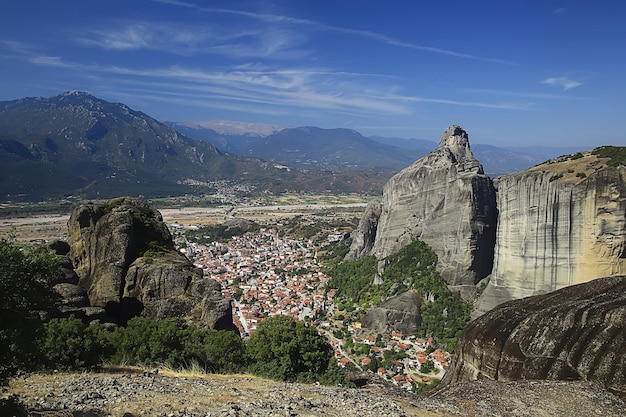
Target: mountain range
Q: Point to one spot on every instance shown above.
(342, 149)
(77, 144)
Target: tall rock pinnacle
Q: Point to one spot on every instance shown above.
(445, 200)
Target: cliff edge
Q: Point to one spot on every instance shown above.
(444, 199)
(560, 223)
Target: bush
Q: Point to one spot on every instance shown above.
(214, 350)
(70, 344)
(173, 343)
(149, 342)
(287, 350)
(26, 273)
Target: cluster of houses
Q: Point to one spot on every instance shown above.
(267, 273)
(402, 372)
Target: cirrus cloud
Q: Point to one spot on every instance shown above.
(562, 82)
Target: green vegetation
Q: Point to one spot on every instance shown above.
(25, 286)
(616, 154)
(25, 277)
(287, 350)
(219, 232)
(412, 268)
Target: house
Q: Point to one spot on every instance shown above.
(370, 340)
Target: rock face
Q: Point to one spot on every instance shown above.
(365, 233)
(400, 313)
(445, 200)
(126, 262)
(557, 227)
(576, 333)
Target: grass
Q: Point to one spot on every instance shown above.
(574, 168)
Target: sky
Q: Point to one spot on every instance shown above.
(510, 72)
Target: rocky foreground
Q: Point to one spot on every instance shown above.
(145, 394)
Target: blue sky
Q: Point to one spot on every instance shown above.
(511, 72)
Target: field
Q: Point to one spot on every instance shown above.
(46, 227)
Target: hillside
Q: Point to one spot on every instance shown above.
(77, 144)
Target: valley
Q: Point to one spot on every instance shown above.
(180, 213)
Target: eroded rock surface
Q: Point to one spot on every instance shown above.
(557, 226)
(399, 313)
(124, 256)
(445, 200)
(576, 333)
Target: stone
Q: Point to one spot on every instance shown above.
(400, 313)
(71, 295)
(575, 333)
(444, 199)
(556, 228)
(125, 258)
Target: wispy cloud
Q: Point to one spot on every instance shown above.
(299, 23)
(520, 94)
(356, 32)
(562, 82)
(489, 105)
(52, 61)
(216, 38)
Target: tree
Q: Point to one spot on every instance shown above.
(71, 344)
(214, 350)
(26, 274)
(287, 350)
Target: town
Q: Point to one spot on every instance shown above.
(268, 273)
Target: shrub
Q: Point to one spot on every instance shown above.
(25, 276)
(70, 344)
(287, 350)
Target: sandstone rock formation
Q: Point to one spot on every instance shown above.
(576, 333)
(365, 233)
(560, 223)
(125, 258)
(445, 200)
(399, 313)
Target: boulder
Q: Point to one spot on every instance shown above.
(125, 258)
(575, 333)
(71, 295)
(399, 313)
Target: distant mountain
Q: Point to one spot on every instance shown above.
(227, 142)
(339, 149)
(75, 143)
(495, 160)
(422, 146)
(232, 127)
(344, 149)
(310, 147)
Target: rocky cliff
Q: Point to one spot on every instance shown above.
(400, 313)
(576, 333)
(560, 223)
(445, 200)
(125, 259)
